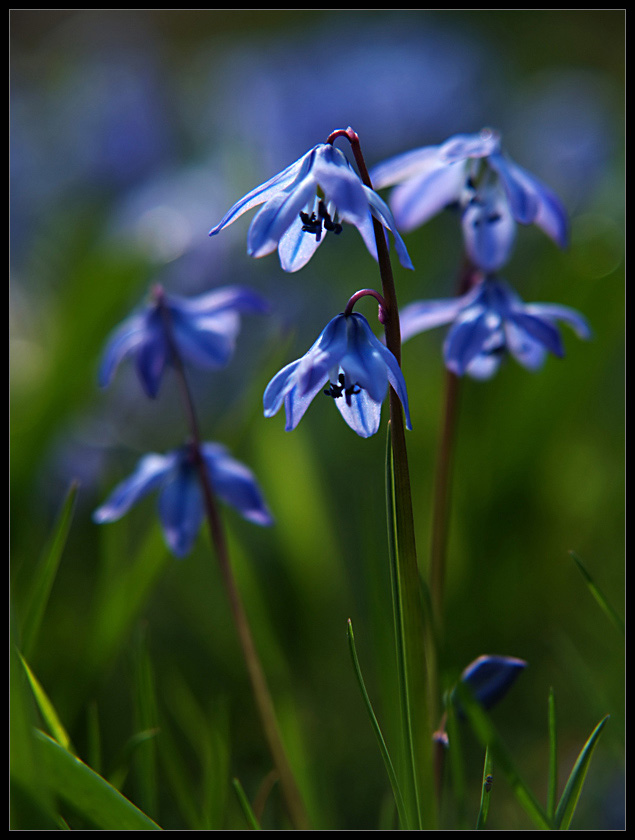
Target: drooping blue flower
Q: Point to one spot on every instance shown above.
(349, 364)
(492, 192)
(490, 321)
(304, 202)
(204, 330)
(491, 677)
(181, 508)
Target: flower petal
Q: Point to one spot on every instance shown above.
(361, 412)
(272, 220)
(415, 201)
(491, 677)
(426, 314)
(489, 230)
(381, 212)
(264, 192)
(181, 508)
(149, 473)
(236, 485)
(126, 338)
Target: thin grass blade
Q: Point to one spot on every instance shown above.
(573, 788)
(246, 807)
(45, 574)
(390, 770)
(599, 596)
(46, 709)
(552, 784)
(486, 788)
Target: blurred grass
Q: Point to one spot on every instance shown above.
(133, 640)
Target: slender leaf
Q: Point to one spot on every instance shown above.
(489, 738)
(88, 794)
(246, 807)
(599, 596)
(573, 788)
(49, 715)
(45, 574)
(390, 770)
(485, 791)
(552, 789)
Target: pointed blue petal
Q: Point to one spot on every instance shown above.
(489, 230)
(181, 508)
(382, 213)
(395, 170)
(236, 485)
(419, 199)
(149, 473)
(276, 216)
(207, 341)
(360, 412)
(426, 314)
(340, 183)
(123, 341)
(470, 336)
(491, 677)
(153, 354)
(463, 146)
(557, 312)
(540, 330)
(226, 298)
(264, 192)
(530, 353)
(297, 246)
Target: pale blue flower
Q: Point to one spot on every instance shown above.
(348, 364)
(181, 504)
(492, 192)
(203, 328)
(490, 321)
(304, 202)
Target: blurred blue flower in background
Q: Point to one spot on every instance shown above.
(491, 677)
(357, 368)
(203, 328)
(490, 321)
(181, 505)
(296, 215)
(491, 197)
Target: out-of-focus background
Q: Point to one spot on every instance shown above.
(132, 132)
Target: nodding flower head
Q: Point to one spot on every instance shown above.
(489, 322)
(307, 200)
(202, 330)
(348, 364)
(181, 506)
(493, 193)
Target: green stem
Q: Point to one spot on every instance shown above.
(415, 654)
(260, 689)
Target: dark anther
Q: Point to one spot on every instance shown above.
(313, 223)
(336, 391)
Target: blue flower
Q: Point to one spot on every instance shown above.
(491, 677)
(493, 193)
(355, 366)
(490, 321)
(306, 200)
(181, 507)
(203, 328)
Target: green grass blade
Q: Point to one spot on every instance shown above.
(246, 807)
(88, 794)
(573, 788)
(489, 738)
(390, 770)
(46, 709)
(552, 784)
(599, 596)
(486, 788)
(45, 575)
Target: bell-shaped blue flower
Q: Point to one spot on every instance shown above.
(490, 321)
(203, 329)
(348, 364)
(307, 200)
(490, 677)
(181, 506)
(493, 193)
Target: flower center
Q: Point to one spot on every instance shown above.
(313, 223)
(336, 391)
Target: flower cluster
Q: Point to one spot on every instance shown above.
(200, 331)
